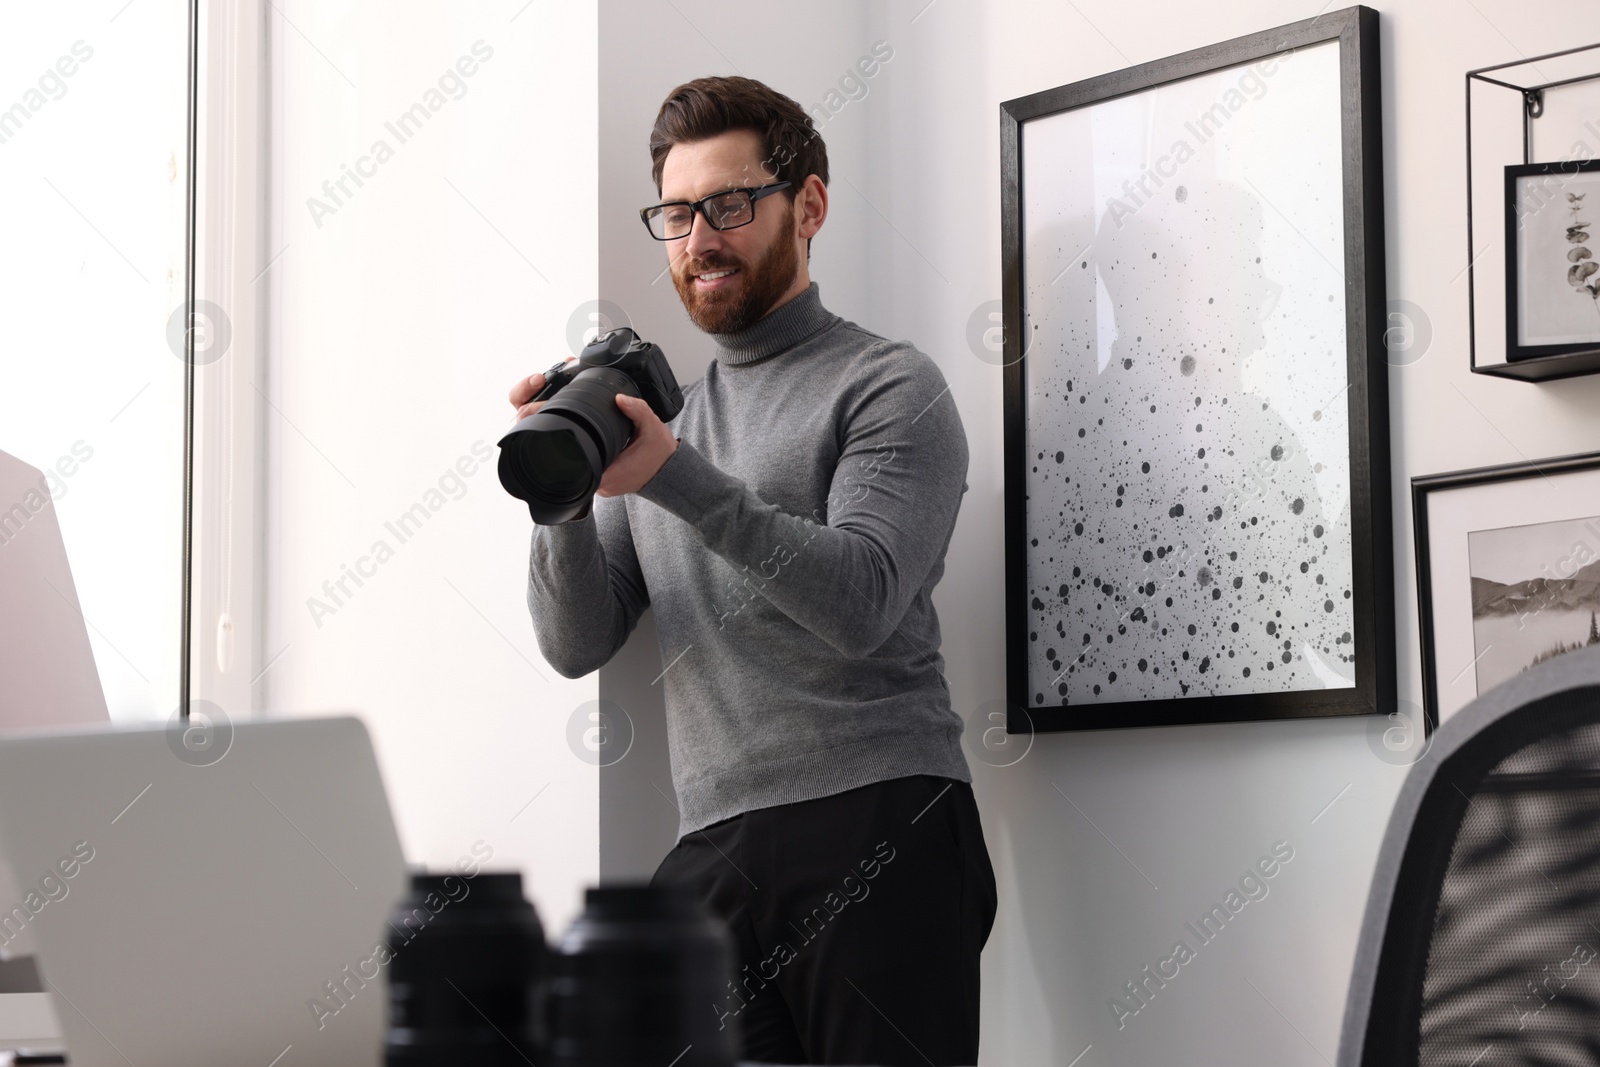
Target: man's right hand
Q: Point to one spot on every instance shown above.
(524, 391)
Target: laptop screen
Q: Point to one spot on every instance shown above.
(47, 669)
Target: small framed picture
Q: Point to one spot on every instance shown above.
(1508, 572)
(1552, 259)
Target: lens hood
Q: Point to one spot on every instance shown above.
(525, 453)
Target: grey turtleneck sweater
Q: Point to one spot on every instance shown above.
(790, 547)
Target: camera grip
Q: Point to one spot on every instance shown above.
(554, 378)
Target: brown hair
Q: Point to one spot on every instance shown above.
(706, 107)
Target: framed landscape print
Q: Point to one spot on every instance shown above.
(1508, 572)
(1552, 273)
(1196, 450)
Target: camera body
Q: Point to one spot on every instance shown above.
(553, 459)
(624, 351)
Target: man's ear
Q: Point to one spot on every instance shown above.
(811, 207)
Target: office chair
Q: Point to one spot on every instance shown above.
(1481, 939)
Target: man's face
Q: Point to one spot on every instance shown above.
(728, 279)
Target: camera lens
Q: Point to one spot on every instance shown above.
(558, 469)
(553, 459)
(466, 955)
(562, 471)
(632, 981)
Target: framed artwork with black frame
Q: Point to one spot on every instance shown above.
(1552, 275)
(1508, 572)
(1196, 408)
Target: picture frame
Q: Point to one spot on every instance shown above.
(1496, 594)
(1126, 565)
(1552, 273)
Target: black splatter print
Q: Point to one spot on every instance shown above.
(1205, 558)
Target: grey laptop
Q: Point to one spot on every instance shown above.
(48, 677)
(47, 670)
(197, 901)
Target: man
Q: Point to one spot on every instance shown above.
(789, 529)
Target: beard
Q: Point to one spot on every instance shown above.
(738, 307)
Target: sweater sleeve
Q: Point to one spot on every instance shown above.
(585, 589)
(847, 572)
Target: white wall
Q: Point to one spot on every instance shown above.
(1106, 843)
(398, 324)
(92, 160)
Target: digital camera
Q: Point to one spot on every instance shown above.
(553, 459)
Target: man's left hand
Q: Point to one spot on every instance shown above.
(638, 463)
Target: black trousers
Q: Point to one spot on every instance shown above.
(857, 921)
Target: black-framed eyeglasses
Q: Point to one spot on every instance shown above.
(724, 211)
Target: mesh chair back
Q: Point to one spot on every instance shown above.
(1481, 940)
